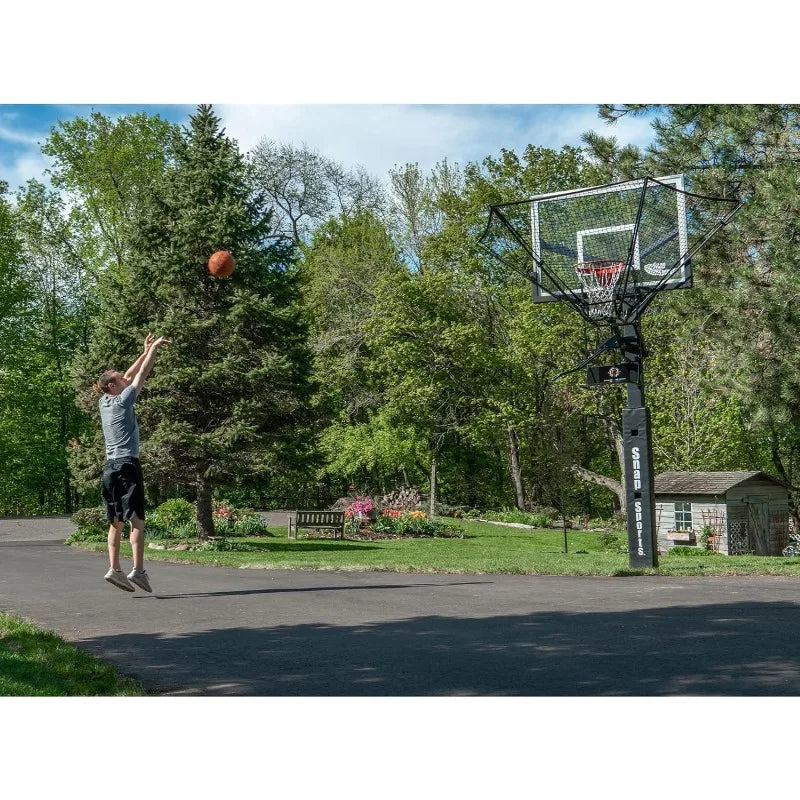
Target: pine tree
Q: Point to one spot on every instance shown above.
(745, 282)
(225, 396)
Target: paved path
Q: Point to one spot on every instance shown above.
(220, 631)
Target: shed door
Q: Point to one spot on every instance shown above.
(758, 524)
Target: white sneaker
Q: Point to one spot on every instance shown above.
(140, 579)
(117, 577)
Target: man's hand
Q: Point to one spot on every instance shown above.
(148, 341)
(160, 342)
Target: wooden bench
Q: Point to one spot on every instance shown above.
(316, 519)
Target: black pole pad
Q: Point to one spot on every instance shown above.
(642, 542)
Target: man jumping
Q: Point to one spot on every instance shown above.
(122, 483)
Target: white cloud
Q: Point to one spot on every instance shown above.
(566, 125)
(380, 136)
(373, 135)
(18, 171)
(18, 137)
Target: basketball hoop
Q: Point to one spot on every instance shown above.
(598, 280)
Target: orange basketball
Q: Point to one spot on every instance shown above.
(221, 264)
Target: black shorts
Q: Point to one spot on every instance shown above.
(123, 488)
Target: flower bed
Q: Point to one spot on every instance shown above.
(392, 524)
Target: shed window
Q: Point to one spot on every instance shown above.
(683, 516)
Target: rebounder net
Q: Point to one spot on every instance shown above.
(607, 249)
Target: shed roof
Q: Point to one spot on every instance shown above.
(715, 483)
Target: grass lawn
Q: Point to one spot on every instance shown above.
(487, 548)
(35, 663)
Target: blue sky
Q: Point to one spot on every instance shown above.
(375, 136)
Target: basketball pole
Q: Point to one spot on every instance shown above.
(637, 446)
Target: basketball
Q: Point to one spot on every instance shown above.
(221, 264)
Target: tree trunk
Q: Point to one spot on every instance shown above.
(205, 520)
(601, 480)
(615, 432)
(67, 493)
(516, 471)
(433, 487)
(470, 480)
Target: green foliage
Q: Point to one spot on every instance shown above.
(87, 535)
(683, 550)
(107, 167)
(40, 336)
(411, 524)
(422, 348)
(250, 525)
(538, 519)
(376, 447)
(183, 531)
(173, 512)
(613, 543)
(706, 537)
(92, 525)
(171, 520)
(94, 517)
(697, 425)
(222, 545)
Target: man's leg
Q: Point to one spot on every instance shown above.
(137, 543)
(137, 575)
(114, 536)
(115, 575)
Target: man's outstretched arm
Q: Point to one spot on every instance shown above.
(130, 373)
(147, 364)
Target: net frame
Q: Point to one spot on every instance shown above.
(511, 238)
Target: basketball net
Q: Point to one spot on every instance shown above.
(598, 280)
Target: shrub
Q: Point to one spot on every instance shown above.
(540, 518)
(224, 545)
(177, 511)
(250, 525)
(94, 517)
(613, 543)
(601, 522)
(92, 525)
(171, 520)
(171, 513)
(707, 537)
(683, 550)
(384, 524)
(419, 526)
(87, 535)
(413, 523)
(223, 515)
(184, 531)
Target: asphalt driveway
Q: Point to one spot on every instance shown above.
(223, 631)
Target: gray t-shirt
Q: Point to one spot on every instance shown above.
(119, 423)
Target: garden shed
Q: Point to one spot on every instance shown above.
(740, 512)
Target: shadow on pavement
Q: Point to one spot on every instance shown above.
(286, 590)
(722, 649)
